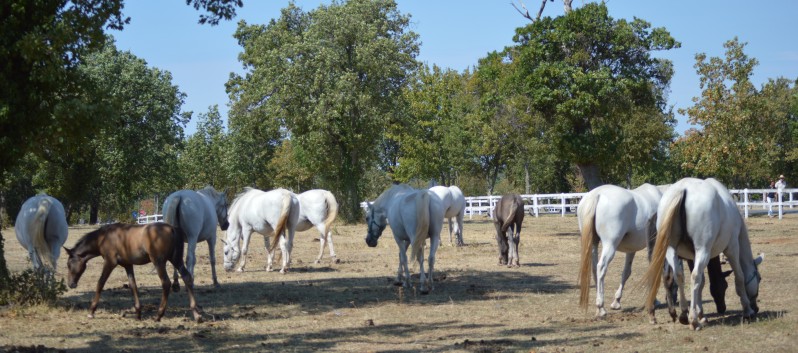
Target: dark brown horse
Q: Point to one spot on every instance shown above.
(127, 245)
(507, 217)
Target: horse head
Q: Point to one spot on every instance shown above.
(76, 266)
(376, 222)
(231, 253)
(752, 283)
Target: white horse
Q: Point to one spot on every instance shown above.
(698, 219)
(453, 206)
(197, 213)
(41, 228)
(622, 220)
(318, 208)
(266, 212)
(414, 216)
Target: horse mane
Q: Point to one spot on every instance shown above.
(393, 190)
(233, 210)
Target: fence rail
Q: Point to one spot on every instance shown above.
(150, 219)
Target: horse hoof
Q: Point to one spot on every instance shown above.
(241, 269)
(90, 316)
(683, 319)
(615, 306)
(424, 291)
(175, 288)
(696, 326)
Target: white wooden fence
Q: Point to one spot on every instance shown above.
(150, 219)
(748, 200)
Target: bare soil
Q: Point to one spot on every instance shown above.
(352, 305)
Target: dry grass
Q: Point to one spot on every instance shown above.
(476, 306)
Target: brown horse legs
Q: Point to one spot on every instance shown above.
(131, 278)
(188, 280)
(107, 268)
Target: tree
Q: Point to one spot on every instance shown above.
(586, 73)
(331, 78)
(433, 139)
(202, 161)
(742, 130)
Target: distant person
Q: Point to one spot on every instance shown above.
(771, 195)
(781, 184)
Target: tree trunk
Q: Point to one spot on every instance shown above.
(590, 175)
(94, 210)
(526, 178)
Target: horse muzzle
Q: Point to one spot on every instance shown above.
(73, 285)
(371, 243)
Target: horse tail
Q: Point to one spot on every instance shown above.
(508, 221)
(422, 225)
(37, 233)
(589, 236)
(179, 237)
(171, 209)
(285, 210)
(332, 211)
(671, 214)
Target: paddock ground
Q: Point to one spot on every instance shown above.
(476, 306)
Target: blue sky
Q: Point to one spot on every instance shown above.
(455, 34)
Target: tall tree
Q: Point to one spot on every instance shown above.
(203, 160)
(587, 73)
(331, 78)
(741, 129)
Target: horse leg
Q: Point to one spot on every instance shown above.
(696, 310)
(188, 280)
(131, 279)
(678, 270)
(403, 275)
(515, 243)
(160, 265)
(286, 243)
(333, 258)
(501, 239)
(434, 243)
(422, 278)
(212, 253)
(671, 292)
(247, 233)
(627, 270)
(451, 232)
(607, 253)
(322, 242)
(107, 268)
(458, 229)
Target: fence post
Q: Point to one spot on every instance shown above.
(535, 205)
(781, 212)
(562, 205)
(745, 201)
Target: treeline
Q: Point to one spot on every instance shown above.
(335, 98)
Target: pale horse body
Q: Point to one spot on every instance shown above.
(453, 207)
(621, 220)
(197, 213)
(318, 208)
(274, 212)
(414, 216)
(42, 229)
(698, 219)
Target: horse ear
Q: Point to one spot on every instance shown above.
(223, 242)
(727, 273)
(759, 258)
(68, 250)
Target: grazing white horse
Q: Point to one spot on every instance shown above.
(41, 228)
(274, 212)
(453, 206)
(622, 220)
(318, 208)
(698, 219)
(197, 213)
(414, 216)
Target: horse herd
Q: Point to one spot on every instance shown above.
(693, 219)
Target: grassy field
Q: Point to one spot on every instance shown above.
(476, 306)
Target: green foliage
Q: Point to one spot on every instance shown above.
(744, 138)
(204, 158)
(329, 79)
(32, 287)
(587, 74)
(217, 9)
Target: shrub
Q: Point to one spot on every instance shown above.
(32, 287)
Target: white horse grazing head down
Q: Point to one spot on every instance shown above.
(197, 213)
(621, 220)
(414, 216)
(454, 204)
(42, 229)
(274, 212)
(698, 219)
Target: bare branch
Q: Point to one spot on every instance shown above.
(542, 6)
(524, 13)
